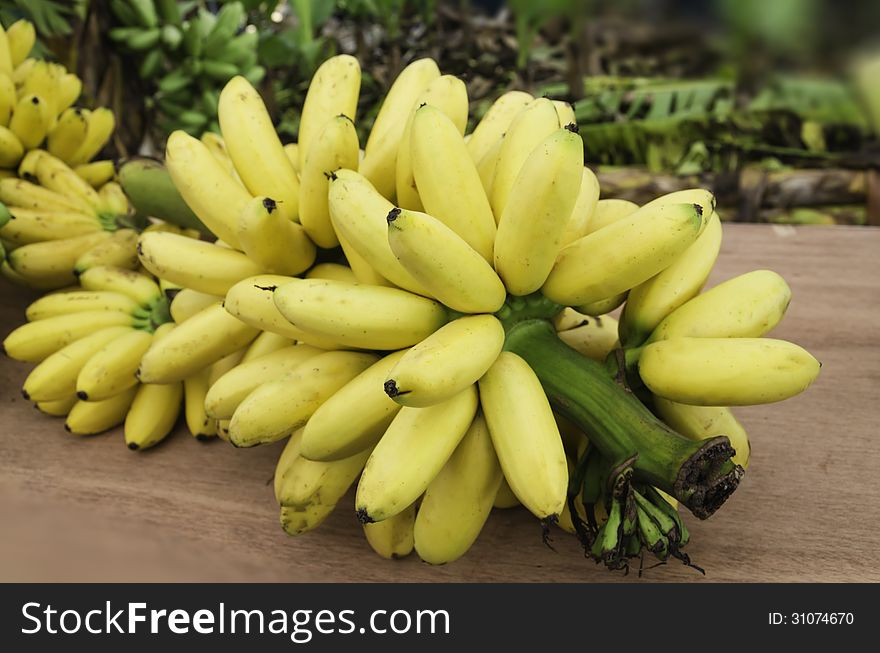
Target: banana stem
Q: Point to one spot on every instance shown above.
(699, 474)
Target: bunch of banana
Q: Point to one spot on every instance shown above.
(476, 268)
(59, 226)
(91, 342)
(36, 110)
(187, 53)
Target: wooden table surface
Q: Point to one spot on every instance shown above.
(808, 509)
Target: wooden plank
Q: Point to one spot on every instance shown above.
(89, 509)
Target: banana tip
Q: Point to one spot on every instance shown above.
(133, 446)
(391, 388)
(364, 517)
(201, 437)
(24, 393)
(392, 215)
(82, 395)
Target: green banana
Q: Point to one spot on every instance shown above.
(151, 191)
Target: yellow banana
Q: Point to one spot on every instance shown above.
(359, 213)
(76, 301)
(525, 435)
(54, 174)
(30, 121)
(608, 212)
(747, 306)
(726, 371)
(363, 272)
(447, 96)
(446, 362)
(194, 263)
(96, 173)
(55, 377)
(392, 538)
(505, 498)
(486, 167)
(355, 315)
(265, 343)
(11, 148)
(92, 417)
(227, 392)
(195, 388)
(59, 408)
(101, 125)
(448, 182)
(205, 185)
(603, 306)
(595, 337)
(255, 148)
(302, 483)
(272, 240)
(529, 128)
(564, 113)
(42, 81)
(252, 301)
(28, 226)
(584, 208)
(354, 418)
(120, 250)
(52, 261)
(226, 364)
(279, 407)
(704, 422)
(112, 369)
(537, 212)
(22, 70)
(188, 302)
(27, 168)
(383, 144)
(8, 99)
(495, 123)
(21, 193)
(338, 149)
(292, 152)
(114, 201)
(699, 196)
(649, 302)
(333, 90)
(410, 454)
(458, 501)
(217, 146)
(21, 37)
(135, 285)
(297, 522)
(68, 134)
(203, 339)
(152, 415)
(69, 88)
(623, 254)
(442, 262)
(332, 271)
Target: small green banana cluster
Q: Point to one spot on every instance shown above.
(617, 519)
(188, 53)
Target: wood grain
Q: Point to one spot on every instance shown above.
(808, 508)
